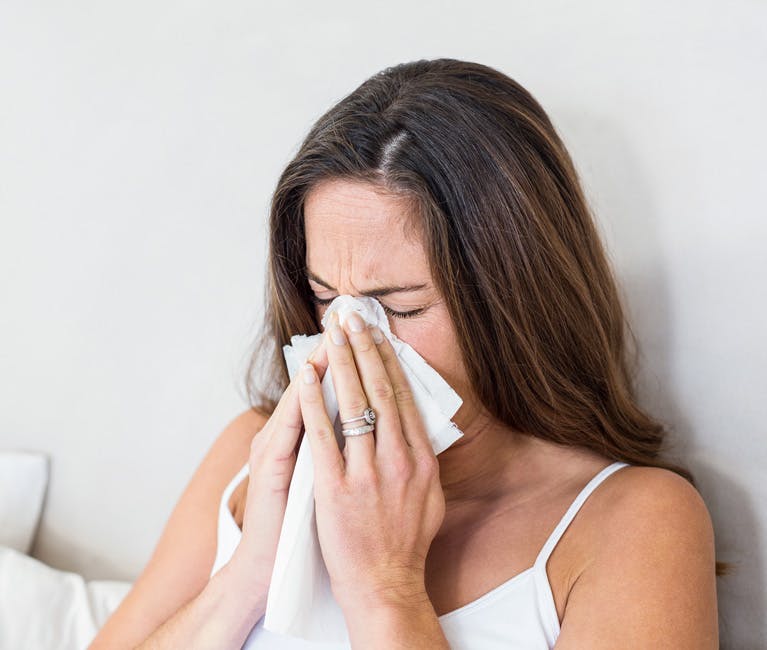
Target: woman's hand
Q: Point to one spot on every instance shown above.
(380, 503)
(272, 460)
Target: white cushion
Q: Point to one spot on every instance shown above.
(48, 609)
(23, 481)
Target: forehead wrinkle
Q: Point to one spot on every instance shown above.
(360, 260)
(333, 275)
(348, 228)
(357, 208)
(380, 270)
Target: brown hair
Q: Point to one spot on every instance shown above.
(511, 245)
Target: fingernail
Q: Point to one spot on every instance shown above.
(308, 372)
(378, 336)
(356, 324)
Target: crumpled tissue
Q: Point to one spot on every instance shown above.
(300, 602)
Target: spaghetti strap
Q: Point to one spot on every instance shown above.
(551, 542)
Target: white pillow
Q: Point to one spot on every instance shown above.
(23, 481)
(48, 609)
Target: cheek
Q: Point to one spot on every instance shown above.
(438, 345)
(435, 340)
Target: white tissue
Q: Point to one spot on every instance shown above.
(300, 602)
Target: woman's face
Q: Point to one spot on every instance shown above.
(355, 243)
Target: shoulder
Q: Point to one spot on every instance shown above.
(231, 449)
(246, 424)
(226, 456)
(642, 502)
(655, 491)
(650, 570)
(652, 514)
(242, 428)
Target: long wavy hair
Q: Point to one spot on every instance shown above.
(511, 243)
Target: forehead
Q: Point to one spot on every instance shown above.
(354, 229)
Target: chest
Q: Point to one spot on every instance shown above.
(470, 558)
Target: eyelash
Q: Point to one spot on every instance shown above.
(391, 312)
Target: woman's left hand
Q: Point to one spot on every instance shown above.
(380, 503)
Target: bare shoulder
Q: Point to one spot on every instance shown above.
(648, 496)
(650, 578)
(639, 481)
(180, 565)
(238, 435)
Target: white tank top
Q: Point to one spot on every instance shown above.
(519, 613)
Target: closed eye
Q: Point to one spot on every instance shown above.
(390, 312)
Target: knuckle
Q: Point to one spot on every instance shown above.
(382, 389)
(403, 395)
(323, 433)
(356, 406)
(295, 427)
(345, 361)
(385, 350)
(428, 464)
(363, 345)
(403, 465)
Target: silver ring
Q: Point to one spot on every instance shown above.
(358, 431)
(369, 416)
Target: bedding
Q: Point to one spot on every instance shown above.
(43, 608)
(23, 482)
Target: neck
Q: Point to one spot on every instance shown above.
(493, 467)
(476, 466)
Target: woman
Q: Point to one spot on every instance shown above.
(442, 189)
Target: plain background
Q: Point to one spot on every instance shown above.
(139, 146)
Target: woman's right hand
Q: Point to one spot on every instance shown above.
(272, 460)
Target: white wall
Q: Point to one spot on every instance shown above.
(139, 145)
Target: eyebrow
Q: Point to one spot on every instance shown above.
(374, 293)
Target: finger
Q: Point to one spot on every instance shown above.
(329, 465)
(413, 429)
(288, 424)
(359, 451)
(319, 357)
(377, 385)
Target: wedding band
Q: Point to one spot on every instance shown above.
(369, 416)
(358, 431)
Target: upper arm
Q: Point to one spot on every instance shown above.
(651, 581)
(180, 565)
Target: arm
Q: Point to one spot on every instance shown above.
(179, 568)
(221, 616)
(650, 582)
